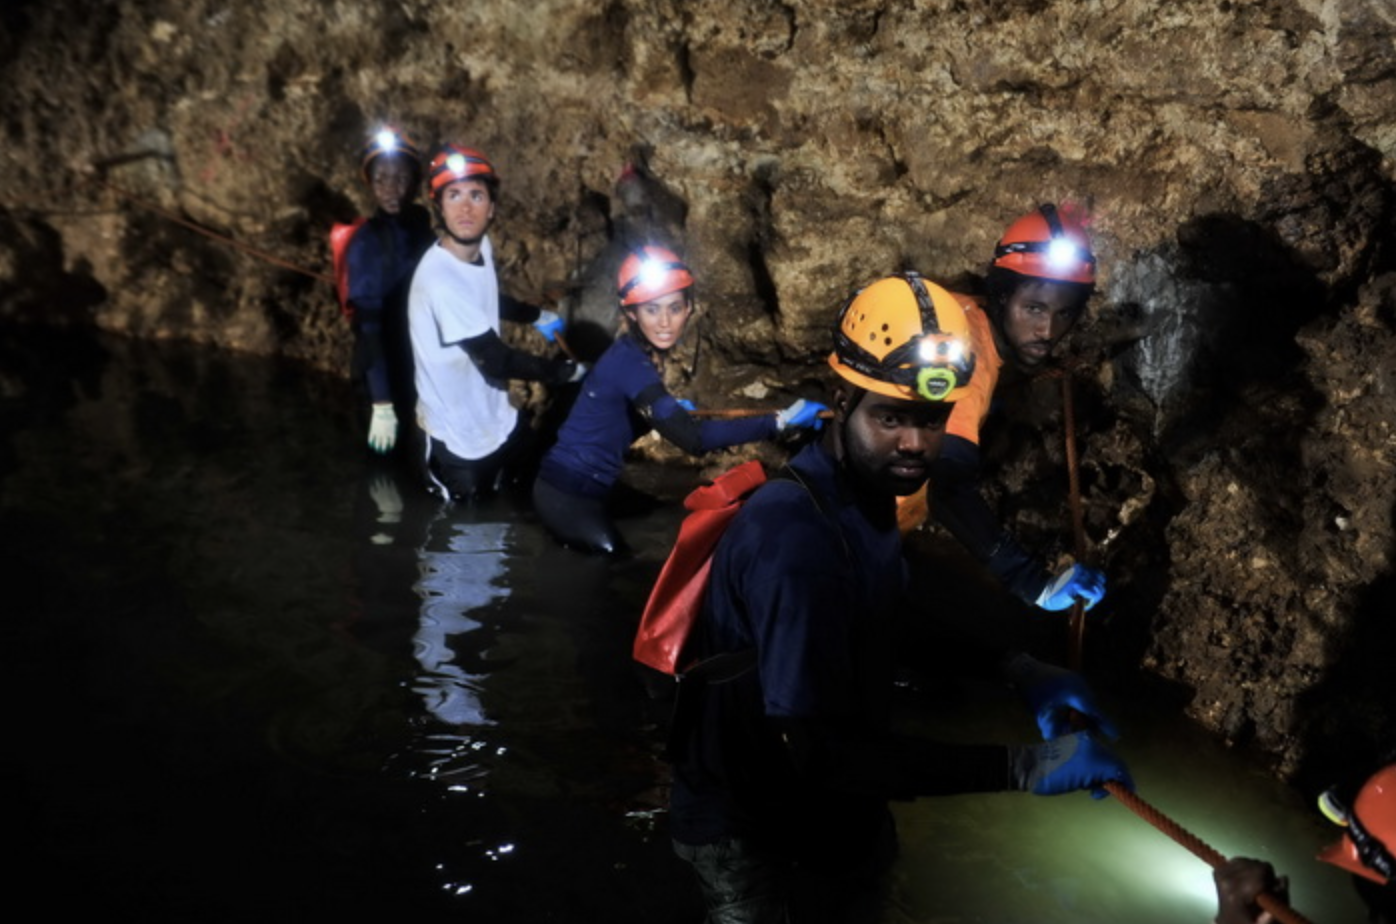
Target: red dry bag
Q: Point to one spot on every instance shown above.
(677, 598)
(340, 235)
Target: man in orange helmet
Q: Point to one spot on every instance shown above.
(1041, 277)
(473, 432)
(785, 763)
(1367, 849)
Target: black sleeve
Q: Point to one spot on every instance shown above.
(892, 766)
(511, 309)
(678, 428)
(959, 505)
(498, 360)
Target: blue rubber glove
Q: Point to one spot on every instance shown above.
(801, 414)
(549, 324)
(1065, 765)
(1075, 583)
(1058, 699)
(687, 405)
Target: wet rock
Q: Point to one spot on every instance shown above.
(1234, 161)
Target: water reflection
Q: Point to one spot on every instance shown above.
(246, 653)
(462, 573)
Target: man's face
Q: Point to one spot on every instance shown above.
(392, 182)
(889, 443)
(467, 208)
(1038, 314)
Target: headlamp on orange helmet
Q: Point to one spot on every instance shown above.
(904, 337)
(453, 163)
(1045, 244)
(650, 273)
(1366, 846)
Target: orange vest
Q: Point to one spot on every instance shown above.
(970, 411)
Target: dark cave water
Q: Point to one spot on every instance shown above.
(257, 676)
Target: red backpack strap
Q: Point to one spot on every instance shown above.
(340, 236)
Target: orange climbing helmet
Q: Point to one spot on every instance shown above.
(1366, 846)
(1046, 244)
(649, 273)
(454, 163)
(904, 337)
(386, 142)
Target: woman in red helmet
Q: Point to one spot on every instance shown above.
(1367, 849)
(624, 397)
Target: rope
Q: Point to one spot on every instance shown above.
(739, 412)
(1199, 848)
(214, 235)
(1076, 624)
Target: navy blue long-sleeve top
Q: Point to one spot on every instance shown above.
(381, 258)
(622, 398)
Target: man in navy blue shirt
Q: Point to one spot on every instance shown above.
(784, 771)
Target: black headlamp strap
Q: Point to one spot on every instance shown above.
(930, 324)
(1054, 221)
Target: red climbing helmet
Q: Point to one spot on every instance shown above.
(1046, 244)
(1367, 845)
(388, 141)
(454, 163)
(649, 273)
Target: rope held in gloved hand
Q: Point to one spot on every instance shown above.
(1199, 848)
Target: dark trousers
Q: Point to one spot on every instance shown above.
(471, 479)
(578, 522)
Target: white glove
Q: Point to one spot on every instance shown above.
(579, 373)
(382, 428)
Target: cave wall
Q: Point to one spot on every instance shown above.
(1235, 160)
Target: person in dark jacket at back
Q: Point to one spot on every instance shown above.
(381, 258)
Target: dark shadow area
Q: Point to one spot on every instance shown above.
(41, 290)
(1350, 715)
(1259, 296)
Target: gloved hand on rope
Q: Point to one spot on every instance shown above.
(801, 414)
(1059, 699)
(1076, 582)
(382, 428)
(549, 324)
(1066, 764)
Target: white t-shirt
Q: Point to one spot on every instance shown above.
(451, 301)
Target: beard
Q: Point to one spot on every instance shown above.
(883, 473)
